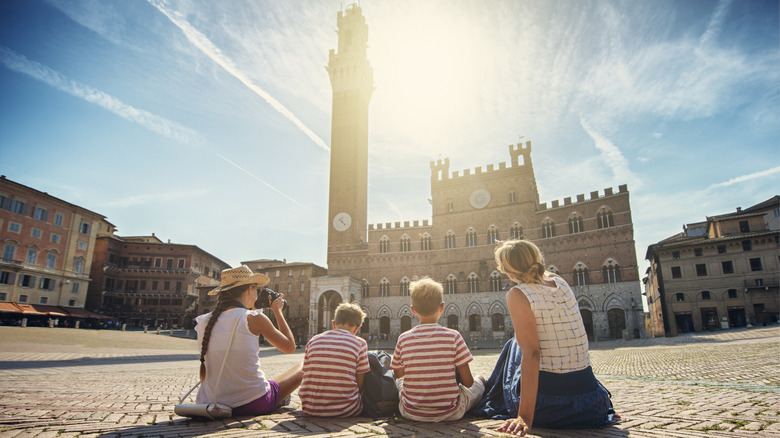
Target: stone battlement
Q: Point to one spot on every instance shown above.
(581, 198)
(397, 225)
(520, 155)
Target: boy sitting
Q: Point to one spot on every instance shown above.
(426, 359)
(334, 366)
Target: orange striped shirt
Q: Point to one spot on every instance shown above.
(330, 367)
(429, 355)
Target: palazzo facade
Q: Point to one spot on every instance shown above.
(588, 240)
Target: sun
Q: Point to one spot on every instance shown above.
(426, 74)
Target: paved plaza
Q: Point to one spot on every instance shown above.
(58, 382)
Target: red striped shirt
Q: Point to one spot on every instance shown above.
(429, 355)
(330, 367)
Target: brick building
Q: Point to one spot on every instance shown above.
(720, 273)
(48, 245)
(589, 241)
(142, 280)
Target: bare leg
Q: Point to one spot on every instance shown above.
(289, 380)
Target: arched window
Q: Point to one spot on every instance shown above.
(554, 269)
(405, 243)
(364, 289)
(450, 207)
(473, 282)
(475, 323)
(516, 232)
(406, 323)
(449, 240)
(384, 288)
(548, 228)
(471, 237)
(492, 235)
(497, 322)
(384, 325)
(495, 281)
(581, 275)
(512, 197)
(575, 224)
(451, 285)
(452, 322)
(384, 244)
(611, 271)
(705, 295)
(604, 218)
(425, 242)
(405, 287)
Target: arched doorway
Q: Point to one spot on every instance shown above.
(616, 319)
(326, 310)
(384, 325)
(406, 323)
(452, 322)
(587, 320)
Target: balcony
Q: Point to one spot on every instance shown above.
(10, 263)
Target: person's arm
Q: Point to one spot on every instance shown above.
(360, 377)
(281, 338)
(527, 338)
(466, 379)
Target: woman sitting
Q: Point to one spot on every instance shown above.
(543, 376)
(242, 384)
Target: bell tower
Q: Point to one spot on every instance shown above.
(352, 81)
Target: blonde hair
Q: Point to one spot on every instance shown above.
(349, 314)
(427, 296)
(522, 260)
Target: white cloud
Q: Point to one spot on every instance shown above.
(153, 122)
(202, 43)
(744, 178)
(613, 157)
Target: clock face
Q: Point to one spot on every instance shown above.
(342, 221)
(479, 198)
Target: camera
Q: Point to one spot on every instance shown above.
(262, 298)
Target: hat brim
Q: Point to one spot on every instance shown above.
(259, 279)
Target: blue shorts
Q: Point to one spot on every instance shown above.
(262, 405)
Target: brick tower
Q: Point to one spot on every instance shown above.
(352, 80)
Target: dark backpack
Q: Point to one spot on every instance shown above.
(380, 395)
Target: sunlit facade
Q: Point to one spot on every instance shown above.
(588, 239)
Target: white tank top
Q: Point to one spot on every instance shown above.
(242, 379)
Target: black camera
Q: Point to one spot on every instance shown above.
(262, 298)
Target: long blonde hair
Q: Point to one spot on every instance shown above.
(522, 260)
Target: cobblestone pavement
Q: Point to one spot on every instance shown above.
(66, 382)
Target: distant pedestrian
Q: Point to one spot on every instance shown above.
(334, 366)
(428, 360)
(543, 376)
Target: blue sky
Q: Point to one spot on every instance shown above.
(208, 123)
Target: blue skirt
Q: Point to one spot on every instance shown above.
(575, 400)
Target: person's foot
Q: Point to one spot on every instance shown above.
(286, 401)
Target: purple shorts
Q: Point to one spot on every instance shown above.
(260, 406)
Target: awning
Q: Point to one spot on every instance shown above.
(27, 309)
(49, 310)
(77, 312)
(9, 308)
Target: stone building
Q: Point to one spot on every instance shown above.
(720, 273)
(587, 240)
(142, 280)
(48, 245)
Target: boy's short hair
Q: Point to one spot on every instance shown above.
(427, 296)
(350, 314)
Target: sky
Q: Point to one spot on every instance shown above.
(208, 123)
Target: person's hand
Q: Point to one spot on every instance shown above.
(277, 304)
(515, 426)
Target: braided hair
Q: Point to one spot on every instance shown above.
(225, 300)
(521, 259)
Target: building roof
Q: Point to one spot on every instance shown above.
(49, 197)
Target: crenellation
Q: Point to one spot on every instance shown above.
(555, 204)
(608, 191)
(477, 170)
(623, 188)
(466, 172)
(489, 167)
(397, 225)
(594, 195)
(580, 198)
(567, 200)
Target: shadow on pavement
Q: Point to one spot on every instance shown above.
(93, 361)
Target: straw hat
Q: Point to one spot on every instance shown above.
(240, 276)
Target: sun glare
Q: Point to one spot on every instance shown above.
(426, 74)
